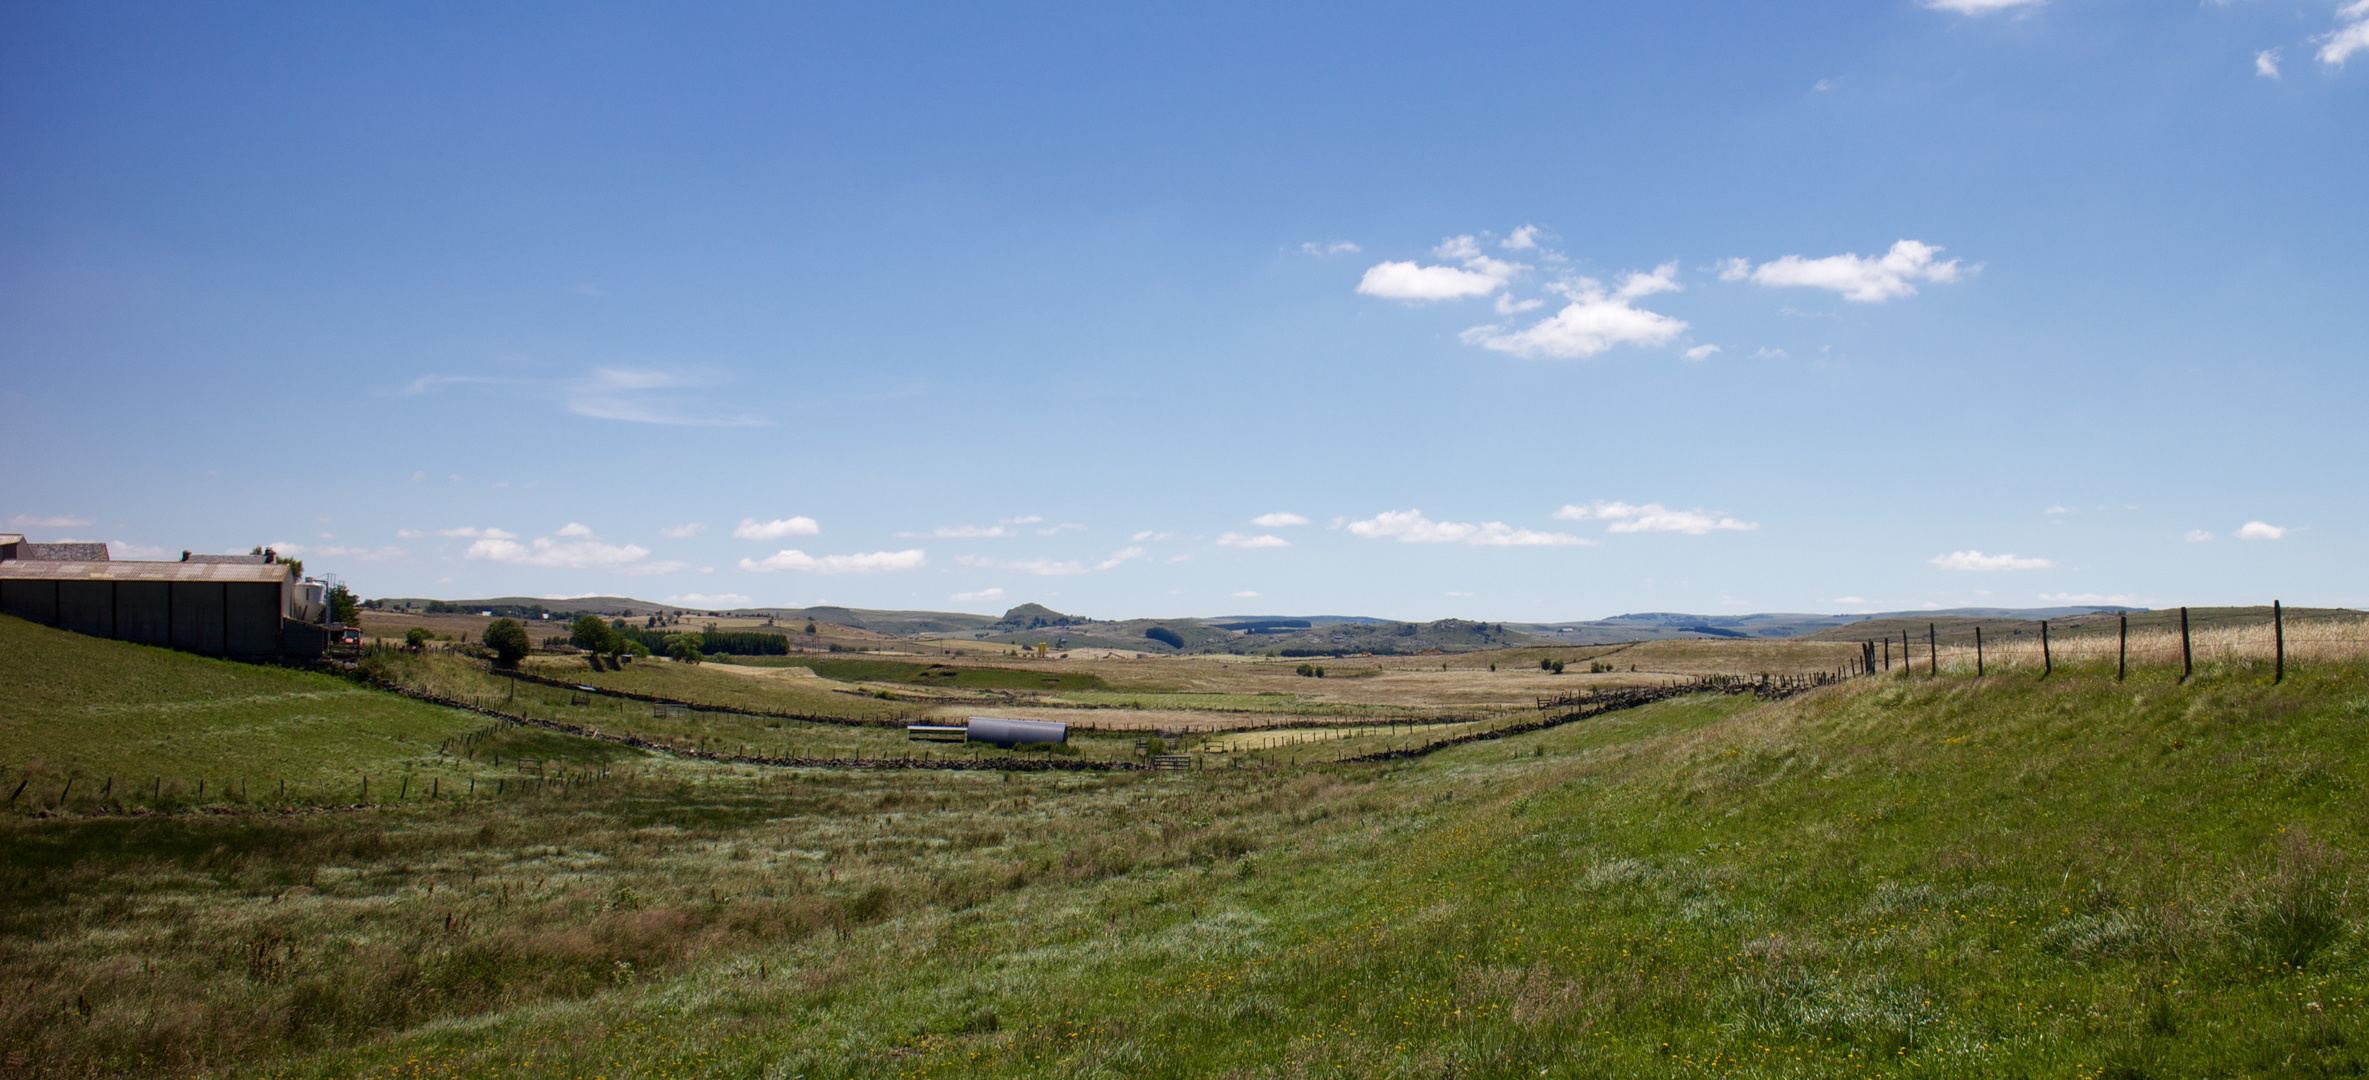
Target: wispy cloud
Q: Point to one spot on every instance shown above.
(462, 532)
(1979, 7)
(983, 594)
(871, 562)
(1592, 321)
(2198, 536)
(2118, 599)
(124, 549)
(1239, 540)
(2260, 530)
(1702, 352)
(704, 600)
(682, 532)
(1276, 520)
(573, 547)
(29, 521)
(1522, 239)
(963, 532)
(1865, 279)
(753, 529)
(1975, 560)
(1411, 527)
(1124, 555)
(336, 551)
(1246, 594)
(636, 395)
(2352, 37)
(1039, 567)
(2266, 63)
(1653, 517)
(1327, 250)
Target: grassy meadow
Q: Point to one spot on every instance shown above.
(1906, 876)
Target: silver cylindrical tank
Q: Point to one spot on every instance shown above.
(1011, 733)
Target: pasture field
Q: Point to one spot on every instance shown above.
(1900, 876)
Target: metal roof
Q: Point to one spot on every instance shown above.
(21, 570)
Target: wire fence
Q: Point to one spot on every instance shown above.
(2273, 640)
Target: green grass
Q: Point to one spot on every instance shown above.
(76, 706)
(1910, 877)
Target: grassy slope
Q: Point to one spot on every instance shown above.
(2014, 878)
(1915, 877)
(94, 708)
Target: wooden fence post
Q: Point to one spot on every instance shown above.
(2278, 630)
(2187, 651)
(1978, 652)
(2122, 649)
(1932, 650)
(1887, 654)
(2047, 658)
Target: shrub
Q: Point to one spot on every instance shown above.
(1165, 636)
(508, 641)
(417, 638)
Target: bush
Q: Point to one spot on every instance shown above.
(416, 638)
(509, 642)
(683, 647)
(1165, 636)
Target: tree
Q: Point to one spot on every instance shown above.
(592, 635)
(344, 606)
(416, 638)
(684, 647)
(810, 626)
(509, 642)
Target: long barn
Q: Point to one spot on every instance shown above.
(213, 605)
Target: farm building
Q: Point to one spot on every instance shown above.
(219, 605)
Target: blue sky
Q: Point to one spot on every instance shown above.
(1519, 312)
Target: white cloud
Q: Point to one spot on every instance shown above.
(29, 521)
(863, 563)
(580, 550)
(707, 602)
(2344, 41)
(1147, 534)
(1276, 520)
(125, 549)
(1048, 567)
(1246, 594)
(1507, 305)
(1702, 352)
(1453, 592)
(964, 532)
(752, 529)
(332, 551)
(1979, 7)
(2058, 510)
(1975, 560)
(2197, 536)
(1411, 527)
(2122, 599)
(682, 532)
(1030, 519)
(1238, 540)
(1859, 278)
(2260, 530)
(1653, 517)
(1848, 600)
(1337, 247)
(1766, 353)
(1057, 529)
(983, 594)
(1409, 281)
(1592, 322)
(2266, 63)
(1522, 239)
(624, 394)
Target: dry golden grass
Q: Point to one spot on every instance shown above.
(2307, 641)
